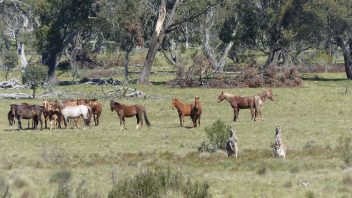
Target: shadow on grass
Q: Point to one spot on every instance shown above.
(318, 78)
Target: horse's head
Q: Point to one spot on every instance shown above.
(196, 102)
(221, 97)
(46, 104)
(174, 103)
(269, 93)
(13, 108)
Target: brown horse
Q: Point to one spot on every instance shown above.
(259, 101)
(196, 112)
(239, 102)
(182, 109)
(27, 112)
(97, 108)
(130, 111)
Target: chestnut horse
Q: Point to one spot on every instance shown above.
(239, 102)
(182, 109)
(193, 110)
(260, 99)
(97, 108)
(196, 112)
(130, 111)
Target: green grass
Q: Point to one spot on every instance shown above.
(312, 118)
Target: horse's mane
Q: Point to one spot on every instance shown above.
(227, 94)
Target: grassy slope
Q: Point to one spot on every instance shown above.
(311, 120)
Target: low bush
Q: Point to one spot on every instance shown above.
(217, 134)
(345, 148)
(156, 184)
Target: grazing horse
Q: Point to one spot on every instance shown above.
(27, 112)
(259, 101)
(182, 109)
(74, 112)
(239, 102)
(11, 118)
(97, 108)
(196, 112)
(130, 111)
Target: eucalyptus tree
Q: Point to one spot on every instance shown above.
(332, 20)
(17, 21)
(60, 21)
(125, 24)
(220, 30)
(170, 16)
(270, 26)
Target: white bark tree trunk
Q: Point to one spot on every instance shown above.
(218, 63)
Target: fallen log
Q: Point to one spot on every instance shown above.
(15, 96)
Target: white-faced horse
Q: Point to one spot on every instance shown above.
(75, 112)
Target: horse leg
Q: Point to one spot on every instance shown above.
(98, 115)
(234, 114)
(95, 119)
(124, 122)
(180, 116)
(199, 120)
(138, 120)
(253, 114)
(19, 122)
(121, 123)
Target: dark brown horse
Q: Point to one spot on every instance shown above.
(27, 112)
(196, 112)
(97, 108)
(259, 101)
(130, 111)
(239, 102)
(182, 109)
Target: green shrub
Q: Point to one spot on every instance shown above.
(217, 134)
(10, 61)
(63, 179)
(156, 184)
(345, 149)
(34, 75)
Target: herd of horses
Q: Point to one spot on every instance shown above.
(63, 111)
(57, 112)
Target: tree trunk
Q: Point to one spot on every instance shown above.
(270, 57)
(126, 65)
(157, 39)
(50, 59)
(217, 64)
(23, 57)
(347, 56)
(186, 37)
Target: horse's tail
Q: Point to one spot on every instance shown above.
(146, 118)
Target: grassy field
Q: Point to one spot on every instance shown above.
(312, 118)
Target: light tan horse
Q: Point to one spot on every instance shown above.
(259, 101)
